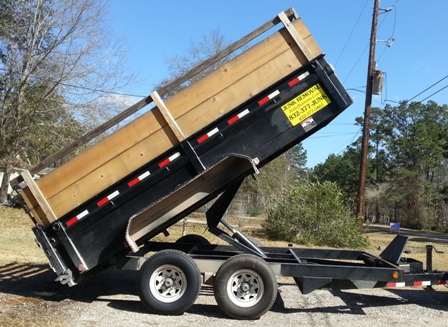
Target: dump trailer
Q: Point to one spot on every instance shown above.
(102, 208)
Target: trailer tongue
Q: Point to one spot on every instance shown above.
(102, 208)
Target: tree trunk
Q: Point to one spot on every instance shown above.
(4, 186)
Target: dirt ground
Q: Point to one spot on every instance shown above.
(30, 297)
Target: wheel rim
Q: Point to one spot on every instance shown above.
(245, 288)
(168, 283)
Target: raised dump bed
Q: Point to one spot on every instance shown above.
(185, 151)
(171, 121)
(102, 208)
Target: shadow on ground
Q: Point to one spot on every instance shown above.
(37, 281)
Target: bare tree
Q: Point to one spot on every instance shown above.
(279, 174)
(197, 52)
(56, 62)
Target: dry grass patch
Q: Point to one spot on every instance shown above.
(415, 248)
(17, 240)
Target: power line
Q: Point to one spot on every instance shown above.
(428, 89)
(393, 30)
(332, 135)
(342, 144)
(434, 93)
(102, 91)
(351, 33)
(362, 53)
(88, 88)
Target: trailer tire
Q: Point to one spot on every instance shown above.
(169, 282)
(193, 239)
(245, 287)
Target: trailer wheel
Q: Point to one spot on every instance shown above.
(245, 287)
(193, 239)
(169, 282)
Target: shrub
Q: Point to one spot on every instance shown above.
(314, 213)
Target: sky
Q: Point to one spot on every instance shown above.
(155, 31)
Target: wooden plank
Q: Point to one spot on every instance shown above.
(101, 177)
(167, 115)
(226, 90)
(90, 135)
(184, 101)
(295, 35)
(148, 136)
(224, 53)
(162, 91)
(34, 209)
(148, 126)
(38, 196)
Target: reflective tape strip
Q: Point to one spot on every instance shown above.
(269, 97)
(298, 79)
(396, 284)
(107, 198)
(77, 218)
(441, 282)
(138, 179)
(209, 134)
(168, 160)
(422, 283)
(238, 117)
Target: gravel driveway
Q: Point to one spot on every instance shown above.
(29, 297)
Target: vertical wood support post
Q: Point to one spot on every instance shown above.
(168, 117)
(28, 179)
(295, 35)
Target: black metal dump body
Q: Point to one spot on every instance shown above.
(194, 172)
(114, 228)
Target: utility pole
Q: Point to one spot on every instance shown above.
(367, 111)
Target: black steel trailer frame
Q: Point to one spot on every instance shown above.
(84, 240)
(97, 236)
(310, 268)
(114, 229)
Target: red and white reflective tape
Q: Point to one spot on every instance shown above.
(393, 285)
(298, 79)
(416, 283)
(238, 117)
(77, 218)
(208, 135)
(138, 179)
(422, 283)
(269, 97)
(107, 198)
(168, 160)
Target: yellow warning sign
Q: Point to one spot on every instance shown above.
(306, 104)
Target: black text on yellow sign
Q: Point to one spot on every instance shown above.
(306, 104)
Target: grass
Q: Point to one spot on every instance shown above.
(17, 248)
(415, 248)
(17, 240)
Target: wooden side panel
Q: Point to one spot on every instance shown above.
(195, 107)
(98, 155)
(35, 210)
(112, 171)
